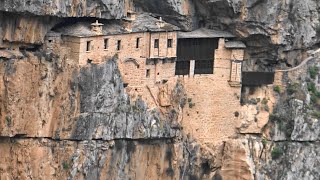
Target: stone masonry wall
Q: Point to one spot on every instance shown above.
(212, 108)
(212, 105)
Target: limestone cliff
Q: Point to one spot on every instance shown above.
(60, 121)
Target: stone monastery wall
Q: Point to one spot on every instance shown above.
(213, 100)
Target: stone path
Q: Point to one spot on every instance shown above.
(314, 54)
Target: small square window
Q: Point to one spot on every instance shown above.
(106, 43)
(169, 43)
(118, 45)
(156, 43)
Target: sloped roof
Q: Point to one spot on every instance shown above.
(235, 44)
(83, 29)
(143, 23)
(205, 33)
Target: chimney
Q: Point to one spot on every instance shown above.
(97, 27)
(160, 23)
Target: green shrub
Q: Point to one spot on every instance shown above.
(264, 101)
(266, 107)
(277, 89)
(312, 87)
(314, 99)
(65, 165)
(274, 117)
(276, 153)
(264, 142)
(292, 88)
(313, 72)
(315, 114)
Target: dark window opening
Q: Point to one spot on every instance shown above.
(88, 46)
(106, 43)
(257, 78)
(182, 67)
(89, 61)
(203, 67)
(128, 15)
(169, 43)
(201, 50)
(50, 41)
(148, 73)
(196, 49)
(137, 42)
(119, 45)
(156, 43)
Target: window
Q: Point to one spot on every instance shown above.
(50, 41)
(203, 67)
(235, 73)
(119, 45)
(169, 43)
(148, 73)
(106, 43)
(88, 46)
(156, 43)
(137, 43)
(182, 67)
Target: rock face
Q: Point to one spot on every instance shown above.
(109, 9)
(61, 122)
(297, 161)
(95, 106)
(93, 133)
(106, 112)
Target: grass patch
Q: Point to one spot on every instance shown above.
(315, 114)
(313, 72)
(292, 88)
(277, 89)
(315, 94)
(264, 142)
(276, 153)
(65, 165)
(264, 101)
(312, 87)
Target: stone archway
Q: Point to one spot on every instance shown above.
(134, 61)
